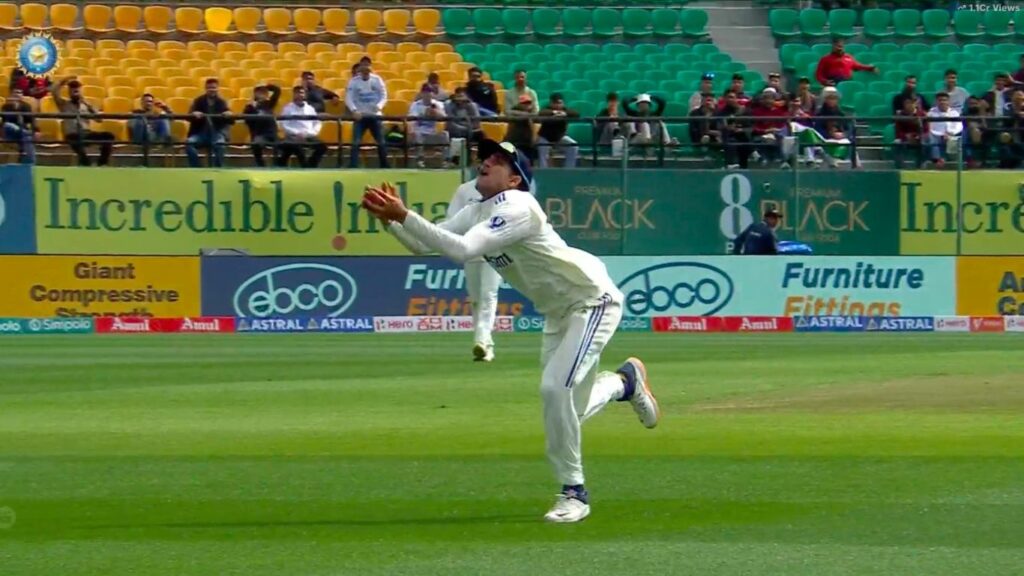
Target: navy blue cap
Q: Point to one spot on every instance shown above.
(520, 163)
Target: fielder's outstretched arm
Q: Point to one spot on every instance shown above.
(508, 225)
(458, 224)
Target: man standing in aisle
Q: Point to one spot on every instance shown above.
(365, 97)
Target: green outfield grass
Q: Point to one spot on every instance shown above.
(393, 455)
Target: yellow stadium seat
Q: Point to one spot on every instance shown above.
(133, 45)
(142, 82)
(413, 76)
(314, 48)
(136, 71)
(179, 128)
(307, 21)
(326, 58)
(116, 54)
(374, 48)
(174, 54)
(104, 71)
(76, 71)
(406, 96)
(368, 22)
(76, 43)
(128, 92)
(238, 133)
(97, 18)
(169, 72)
(188, 20)
(235, 56)
(400, 84)
(388, 58)
(335, 22)
(158, 91)
(33, 16)
(197, 45)
(49, 129)
(397, 107)
(460, 68)
(97, 63)
(251, 64)
(396, 21)
(109, 43)
(218, 20)
(157, 19)
(247, 19)
(146, 54)
(226, 75)
(163, 45)
(237, 104)
(191, 63)
(175, 82)
(262, 74)
(72, 62)
(291, 48)
(493, 130)
(447, 77)
(288, 76)
(116, 105)
(335, 84)
(242, 82)
(229, 46)
(407, 47)
(439, 47)
(277, 20)
(126, 81)
(446, 59)
(330, 132)
(93, 91)
(202, 74)
(119, 128)
(8, 16)
(83, 53)
(204, 55)
(419, 57)
(426, 21)
(349, 48)
(190, 92)
(259, 47)
(129, 64)
(48, 105)
(128, 18)
(178, 104)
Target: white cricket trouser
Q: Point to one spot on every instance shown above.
(482, 283)
(571, 387)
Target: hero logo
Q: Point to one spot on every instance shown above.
(299, 289)
(692, 288)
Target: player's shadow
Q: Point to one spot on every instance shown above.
(339, 522)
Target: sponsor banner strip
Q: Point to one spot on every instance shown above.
(193, 325)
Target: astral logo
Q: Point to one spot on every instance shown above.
(692, 288)
(296, 289)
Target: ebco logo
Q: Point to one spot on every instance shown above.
(298, 290)
(686, 288)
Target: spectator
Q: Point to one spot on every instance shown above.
(769, 127)
(735, 138)
(838, 66)
(208, 126)
(434, 81)
(646, 132)
(76, 130)
(1019, 75)
(909, 92)
(463, 117)
(802, 119)
(423, 131)
(513, 94)
(704, 129)
(301, 134)
(32, 89)
(909, 131)
(19, 125)
(520, 132)
(151, 125)
(366, 96)
(980, 134)
(943, 135)
(831, 122)
(482, 93)
(775, 83)
(706, 87)
(736, 88)
(998, 97)
(759, 238)
(808, 101)
(263, 130)
(609, 129)
(554, 133)
(1011, 154)
(316, 96)
(957, 94)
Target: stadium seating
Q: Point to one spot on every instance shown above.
(902, 23)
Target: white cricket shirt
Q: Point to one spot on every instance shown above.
(512, 233)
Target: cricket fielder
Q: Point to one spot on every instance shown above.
(482, 282)
(571, 288)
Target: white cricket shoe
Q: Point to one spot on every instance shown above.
(567, 509)
(483, 352)
(644, 403)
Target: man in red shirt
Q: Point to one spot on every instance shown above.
(838, 66)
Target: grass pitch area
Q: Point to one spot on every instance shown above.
(393, 455)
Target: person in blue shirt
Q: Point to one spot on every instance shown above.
(759, 238)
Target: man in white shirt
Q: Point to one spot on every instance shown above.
(570, 287)
(301, 133)
(423, 131)
(365, 97)
(941, 132)
(957, 94)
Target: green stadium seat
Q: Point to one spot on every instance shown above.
(719, 59)
(876, 23)
(636, 23)
(469, 49)
(783, 22)
(545, 22)
(905, 23)
(672, 85)
(1008, 49)
(516, 22)
(576, 22)
(886, 48)
(527, 48)
(976, 49)
(820, 50)
(788, 53)
(997, 24)
(666, 23)
(1018, 23)
(694, 23)
(498, 48)
(606, 22)
(812, 23)
(646, 49)
(967, 24)
(582, 132)
(595, 97)
(979, 87)
(641, 86)
(803, 61)
(878, 126)
(704, 50)
(855, 49)
(917, 48)
(658, 76)
(936, 23)
(612, 85)
(487, 22)
(882, 86)
(585, 49)
(841, 22)
(456, 22)
(615, 48)
(555, 50)
(944, 49)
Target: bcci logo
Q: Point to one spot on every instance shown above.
(38, 55)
